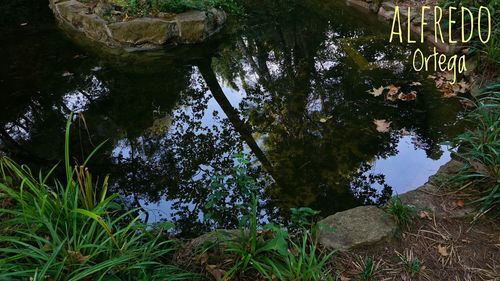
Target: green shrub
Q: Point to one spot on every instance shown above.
(70, 231)
(269, 251)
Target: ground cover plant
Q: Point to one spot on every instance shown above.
(271, 252)
(479, 149)
(73, 230)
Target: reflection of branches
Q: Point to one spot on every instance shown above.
(233, 115)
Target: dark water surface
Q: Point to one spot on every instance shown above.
(286, 86)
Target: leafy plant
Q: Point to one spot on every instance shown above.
(479, 149)
(368, 268)
(70, 231)
(302, 217)
(265, 250)
(305, 262)
(411, 264)
(402, 214)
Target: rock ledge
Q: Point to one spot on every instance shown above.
(145, 33)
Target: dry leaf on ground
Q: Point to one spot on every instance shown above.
(460, 203)
(425, 215)
(443, 250)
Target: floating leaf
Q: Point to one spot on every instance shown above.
(467, 103)
(392, 97)
(416, 84)
(382, 125)
(325, 119)
(393, 90)
(376, 92)
(67, 74)
(408, 97)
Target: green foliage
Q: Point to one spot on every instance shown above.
(302, 217)
(305, 261)
(70, 231)
(412, 266)
(368, 268)
(479, 148)
(489, 53)
(402, 214)
(143, 8)
(265, 251)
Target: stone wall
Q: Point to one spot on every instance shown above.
(140, 33)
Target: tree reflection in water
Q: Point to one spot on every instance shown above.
(285, 88)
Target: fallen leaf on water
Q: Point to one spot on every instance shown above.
(24, 24)
(382, 125)
(66, 74)
(408, 97)
(448, 93)
(443, 250)
(325, 119)
(416, 84)
(460, 203)
(391, 97)
(467, 103)
(439, 83)
(376, 92)
(393, 90)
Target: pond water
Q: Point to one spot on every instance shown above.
(287, 86)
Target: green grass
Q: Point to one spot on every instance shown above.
(479, 149)
(72, 230)
(402, 214)
(367, 268)
(411, 264)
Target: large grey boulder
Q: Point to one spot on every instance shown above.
(361, 226)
